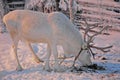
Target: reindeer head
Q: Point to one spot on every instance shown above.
(86, 50)
(85, 58)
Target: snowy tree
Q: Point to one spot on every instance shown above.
(31, 4)
(71, 10)
(36, 5)
(2, 28)
(1, 9)
(50, 6)
(64, 5)
(41, 5)
(57, 5)
(70, 6)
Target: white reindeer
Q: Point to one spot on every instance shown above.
(51, 28)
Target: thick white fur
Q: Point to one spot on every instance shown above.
(53, 28)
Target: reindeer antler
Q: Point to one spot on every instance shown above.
(90, 38)
(103, 49)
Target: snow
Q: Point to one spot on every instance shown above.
(96, 10)
(35, 71)
(104, 2)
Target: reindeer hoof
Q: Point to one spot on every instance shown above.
(48, 69)
(38, 60)
(19, 68)
(59, 69)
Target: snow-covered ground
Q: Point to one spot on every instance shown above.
(34, 71)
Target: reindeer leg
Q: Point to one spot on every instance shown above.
(55, 53)
(15, 45)
(47, 67)
(35, 57)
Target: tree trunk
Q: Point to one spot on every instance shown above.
(71, 11)
(57, 5)
(2, 12)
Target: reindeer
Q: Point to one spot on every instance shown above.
(51, 28)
